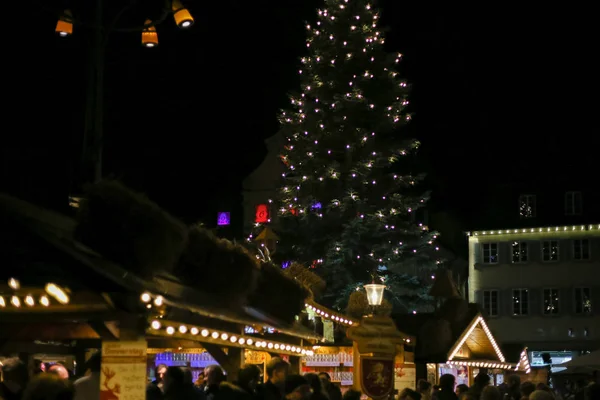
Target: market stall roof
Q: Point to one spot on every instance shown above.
(57, 230)
(456, 334)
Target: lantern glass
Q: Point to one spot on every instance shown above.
(149, 36)
(374, 294)
(182, 16)
(64, 26)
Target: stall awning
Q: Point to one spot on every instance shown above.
(476, 342)
(57, 230)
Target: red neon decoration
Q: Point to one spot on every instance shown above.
(262, 214)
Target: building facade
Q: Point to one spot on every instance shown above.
(539, 283)
(261, 186)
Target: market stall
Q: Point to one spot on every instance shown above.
(126, 271)
(455, 340)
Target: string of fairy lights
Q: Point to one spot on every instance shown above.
(20, 297)
(346, 39)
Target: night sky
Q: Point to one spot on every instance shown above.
(498, 95)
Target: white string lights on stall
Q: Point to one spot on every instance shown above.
(554, 229)
(523, 363)
(477, 321)
(327, 314)
(175, 329)
(53, 291)
(483, 364)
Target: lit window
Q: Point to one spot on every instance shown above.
(527, 206)
(583, 301)
(519, 252)
(551, 302)
(550, 250)
(490, 253)
(520, 302)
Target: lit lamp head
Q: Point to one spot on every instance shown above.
(182, 16)
(149, 35)
(374, 294)
(64, 26)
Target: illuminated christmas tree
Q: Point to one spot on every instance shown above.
(347, 206)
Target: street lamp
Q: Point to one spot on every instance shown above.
(149, 35)
(374, 294)
(182, 16)
(93, 132)
(64, 26)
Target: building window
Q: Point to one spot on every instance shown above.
(550, 250)
(519, 252)
(583, 301)
(573, 203)
(527, 206)
(520, 302)
(551, 301)
(490, 302)
(490, 253)
(581, 249)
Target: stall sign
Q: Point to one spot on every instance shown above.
(377, 376)
(123, 373)
(405, 377)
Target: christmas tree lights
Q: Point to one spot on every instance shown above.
(346, 206)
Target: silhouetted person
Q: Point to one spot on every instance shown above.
(297, 387)
(15, 378)
(332, 390)
(49, 387)
(277, 372)
(526, 389)
(352, 394)
(214, 376)
(88, 387)
(318, 393)
(446, 391)
(177, 388)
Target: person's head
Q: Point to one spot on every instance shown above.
(491, 393)
(409, 394)
(214, 375)
(174, 377)
(352, 394)
(249, 376)
(200, 380)
(15, 374)
(543, 386)
(541, 395)
(482, 379)
(423, 386)
(325, 376)
(297, 388)
(159, 372)
(314, 381)
(527, 388)
(49, 387)
(447, 382)
(95, 362)
(188, 376)
(462, 388)
(592, 392)
(514, 381)
(59, 370)
(277, 371)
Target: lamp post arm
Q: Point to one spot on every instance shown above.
(112, 26)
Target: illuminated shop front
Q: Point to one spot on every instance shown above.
(475, 351)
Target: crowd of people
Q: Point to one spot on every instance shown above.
(173, 383)
(55, 382)
(482, 389)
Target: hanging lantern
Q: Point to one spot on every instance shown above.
(64, 26)
(149, 35)
(182, 16)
